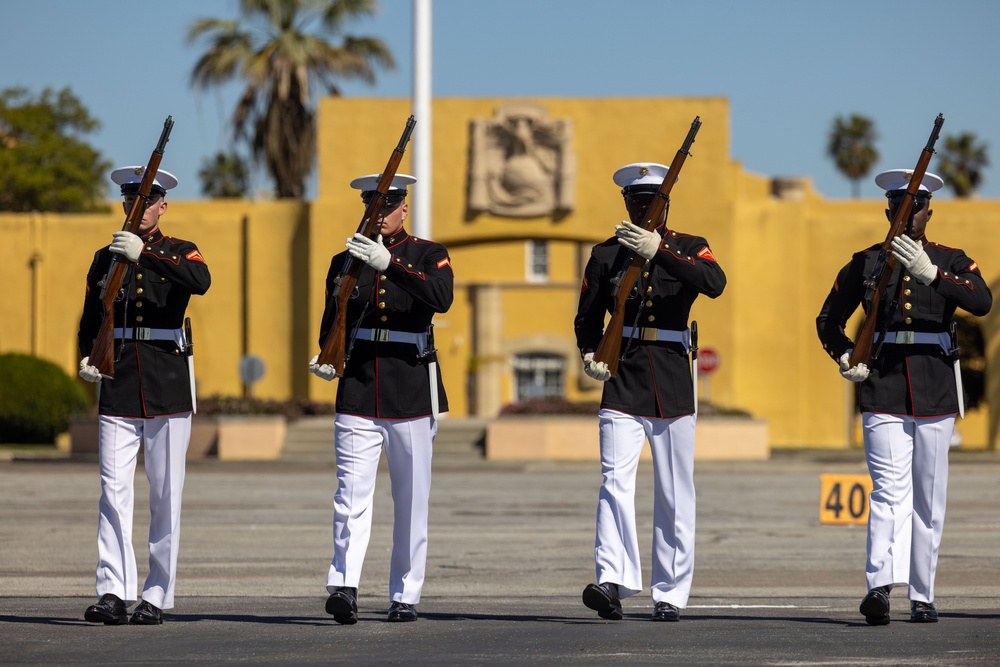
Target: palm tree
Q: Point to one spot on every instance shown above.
(961, 163)
(282, 52)
(851, 144)
(225, 175)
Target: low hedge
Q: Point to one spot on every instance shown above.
(560, 406)
(218, 405)
(37, 399)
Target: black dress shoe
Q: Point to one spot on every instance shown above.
(603, 598)
(343, 605)
(875, 606)
(923, 612)
(664, 611)
(400, 612)
(146, 614)
(109, 610)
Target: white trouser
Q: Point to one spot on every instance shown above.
(165, 442)
(616, 550)
(408, 446)
(908, 462)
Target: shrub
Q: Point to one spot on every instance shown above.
(296, 408)
(560, 406)
(706, 409)
(37, 399)
(549, 406)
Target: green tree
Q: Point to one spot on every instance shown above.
(224, 176)
(961, 163)
(282, 52)
(44, 165)
(851, 144)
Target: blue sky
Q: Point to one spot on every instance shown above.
(788, 68)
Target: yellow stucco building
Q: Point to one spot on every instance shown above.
(509, 333)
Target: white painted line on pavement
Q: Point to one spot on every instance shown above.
(757, 606)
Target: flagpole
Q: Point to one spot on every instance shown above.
(423, 193)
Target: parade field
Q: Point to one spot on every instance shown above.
(511, 548)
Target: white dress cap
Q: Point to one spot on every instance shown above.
(370, 182)
(899, 179)
(133, 175)
(648, 175)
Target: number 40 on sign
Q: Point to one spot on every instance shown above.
(843, 499)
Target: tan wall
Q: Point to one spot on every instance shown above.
(840, 228)
(780, 256)
(44, 321)
(356, 136)
(790, 252)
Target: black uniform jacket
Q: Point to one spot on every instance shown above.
(906, 379)
(654, 378)
(151, 377)
(388, 380)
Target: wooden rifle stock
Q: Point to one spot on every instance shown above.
(875, 285)
(335, 346)
(102, 354)
(609, 349)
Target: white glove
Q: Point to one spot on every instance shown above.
(857, 374)
(372, 253)
(88, 372)
(595, 369)
(912, 255)
(322, 371)
(637, 239)
(128, 244)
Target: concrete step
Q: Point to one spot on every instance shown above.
(461, 438)
(311, 438)
(308, 437)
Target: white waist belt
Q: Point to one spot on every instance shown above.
(386, 336)
(142, 333)
(919, 338)
(659, 335)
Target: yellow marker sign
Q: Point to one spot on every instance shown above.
(843, 499)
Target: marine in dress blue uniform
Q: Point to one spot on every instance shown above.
(149, 401)
(908, 396)
(390, 394)
(651, 397)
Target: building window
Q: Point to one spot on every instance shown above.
(539, 375)
(537, 261)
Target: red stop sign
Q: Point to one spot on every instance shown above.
(708, 360)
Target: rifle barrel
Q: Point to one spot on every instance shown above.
(609, 349)
(101, 354)
(883, 270)
(334, 351)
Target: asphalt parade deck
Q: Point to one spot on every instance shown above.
(511, 548)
